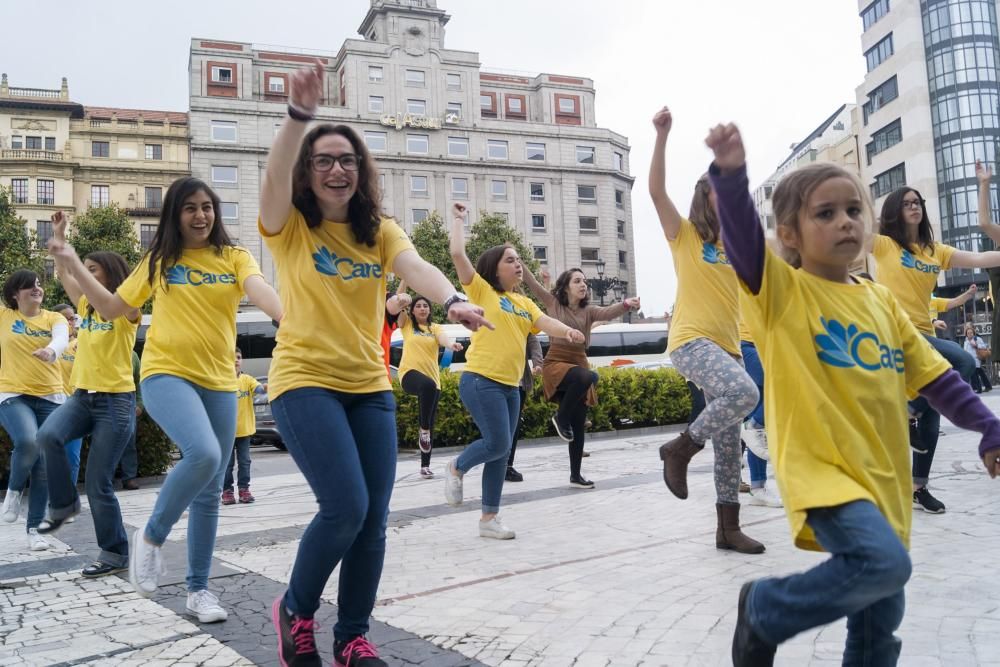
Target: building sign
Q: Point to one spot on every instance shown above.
(401, 120)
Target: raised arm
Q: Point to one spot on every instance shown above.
(263, 296)
(456, 244)
(670, 219)
(427, 279)
(962, 298)
(615, 310)
(557, 329)
(109, 306)
(63, 272)
(741, 230)
(984, 175)
(964, 259)
(446, 342)
(304, 94)
(538, 289)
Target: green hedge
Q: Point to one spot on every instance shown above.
(626, 399)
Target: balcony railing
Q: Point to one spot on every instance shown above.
(26, 154)
(34, 92)
(144, 212)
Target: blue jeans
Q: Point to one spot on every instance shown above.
(494, 407)
(110, 421)
(241, 450)
(755, 369)
(863, 580)
(202, 422)
(21, 416)
(345, 446)
(130, 457)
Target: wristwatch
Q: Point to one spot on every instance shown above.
(457, 297)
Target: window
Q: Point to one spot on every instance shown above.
(276, 85)
(43, 232)
(46, 191)
(498, 189)
(590, 255)
(154, 197)
(588, 224)
(622, 259)
(454, 81)
(873, 12)
(146, 234)
(224, 130)
(883, 139)
(620, 198)
(376, 141)
(586, 194)
(460, 187)
(541, 253)
(496, 149)
(567, 105)
(534, 151)
(417, 143)
(454, 108)
(458, 146)
(879, 53)
(375, 73)
(537, 191)
(488, 105)
(418, 185)
(222, 74)
(98, 148)
(33, 143)
(621, 228)
(619, 161)
(419, 215)
(19, 186)
(415, 77)
(516, 106)
(585, 155)
(418, 107)
(376, 103)
(230, 212)
(100, 195)
(50, 143)
(889, 180)
(879, 97)
(154, 151)
(537, 222)
(17, 142)
(225, 175)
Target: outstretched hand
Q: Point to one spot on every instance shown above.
(59, 222)
(727, 144)
(575, 336)
(59, 248)
(459, 211)
(305, 90)
(456, 347)
(632, 303)
(663, 120)
(983, 173)
(991, 459)
(469, 316)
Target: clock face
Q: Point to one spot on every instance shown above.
(415, 41)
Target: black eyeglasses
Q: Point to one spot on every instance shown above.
(324, 162)
(913, 203)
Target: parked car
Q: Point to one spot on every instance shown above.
(267, 429)
(647, 365)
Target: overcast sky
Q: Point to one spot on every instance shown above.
(776, 67)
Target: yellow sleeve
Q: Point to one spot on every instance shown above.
(882, 245)
(761, 310)
(244, 264)
(252, 381)
(922, 364)
(943, 253)
(394, 241)
(536, 313)
(686, 227)
(476, 288)
(136, 289)
(939, 304)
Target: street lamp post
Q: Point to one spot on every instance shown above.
(601, 285)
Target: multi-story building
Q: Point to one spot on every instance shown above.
(442, 128)
(56, 154)
(930, 104)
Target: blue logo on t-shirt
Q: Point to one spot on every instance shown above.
(21, 328)
(94, 324)
(345, 268)
(178, 274)
(240, 394)
(908, 261)
(711, 254)
(850, 347)
(507, 306)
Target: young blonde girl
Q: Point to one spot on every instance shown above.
(827, 339)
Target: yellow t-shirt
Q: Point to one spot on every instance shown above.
(706, 304)
(246, 420)
(744, 332)
(911, 277)
(499, 354)
(193, 332)
(21, 373)
(838, 361)
(333, 296)
(65, 362)
(104, 357)
(420, 351)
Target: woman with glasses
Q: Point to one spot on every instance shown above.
(330, 394)
(908, 261)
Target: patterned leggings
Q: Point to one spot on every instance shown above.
(730, 395)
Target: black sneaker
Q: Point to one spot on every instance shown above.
(513, 475)
(923, 500)
(749, 650)
(99, 569)
(579, 482)
(915, 443)
(359, 652)
(564, 431)
(296, 637)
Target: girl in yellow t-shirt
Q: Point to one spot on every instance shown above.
(419, 373)
(704, 346)
(330, 393)
(31, 388)
(839, 356)
(196, 278)
(494, 365)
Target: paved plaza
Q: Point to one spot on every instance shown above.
(625, 574)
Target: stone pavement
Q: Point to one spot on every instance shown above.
(621, 575)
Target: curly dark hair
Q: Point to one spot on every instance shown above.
(560, 289)
(364, 210)
(892, 224)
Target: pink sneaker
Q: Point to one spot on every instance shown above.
(358, 652)
(246, 496)
(228, 498)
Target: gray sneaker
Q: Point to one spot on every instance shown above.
(452, 483)
(495, 529)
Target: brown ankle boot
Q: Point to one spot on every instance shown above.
(675, 456)
(728, 534)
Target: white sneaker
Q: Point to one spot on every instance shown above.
(36, 542)
(764, 497)
(11, 506)
(145, 565)
(495, 529)
(756, 439)
(206, 607)
(452, 484)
